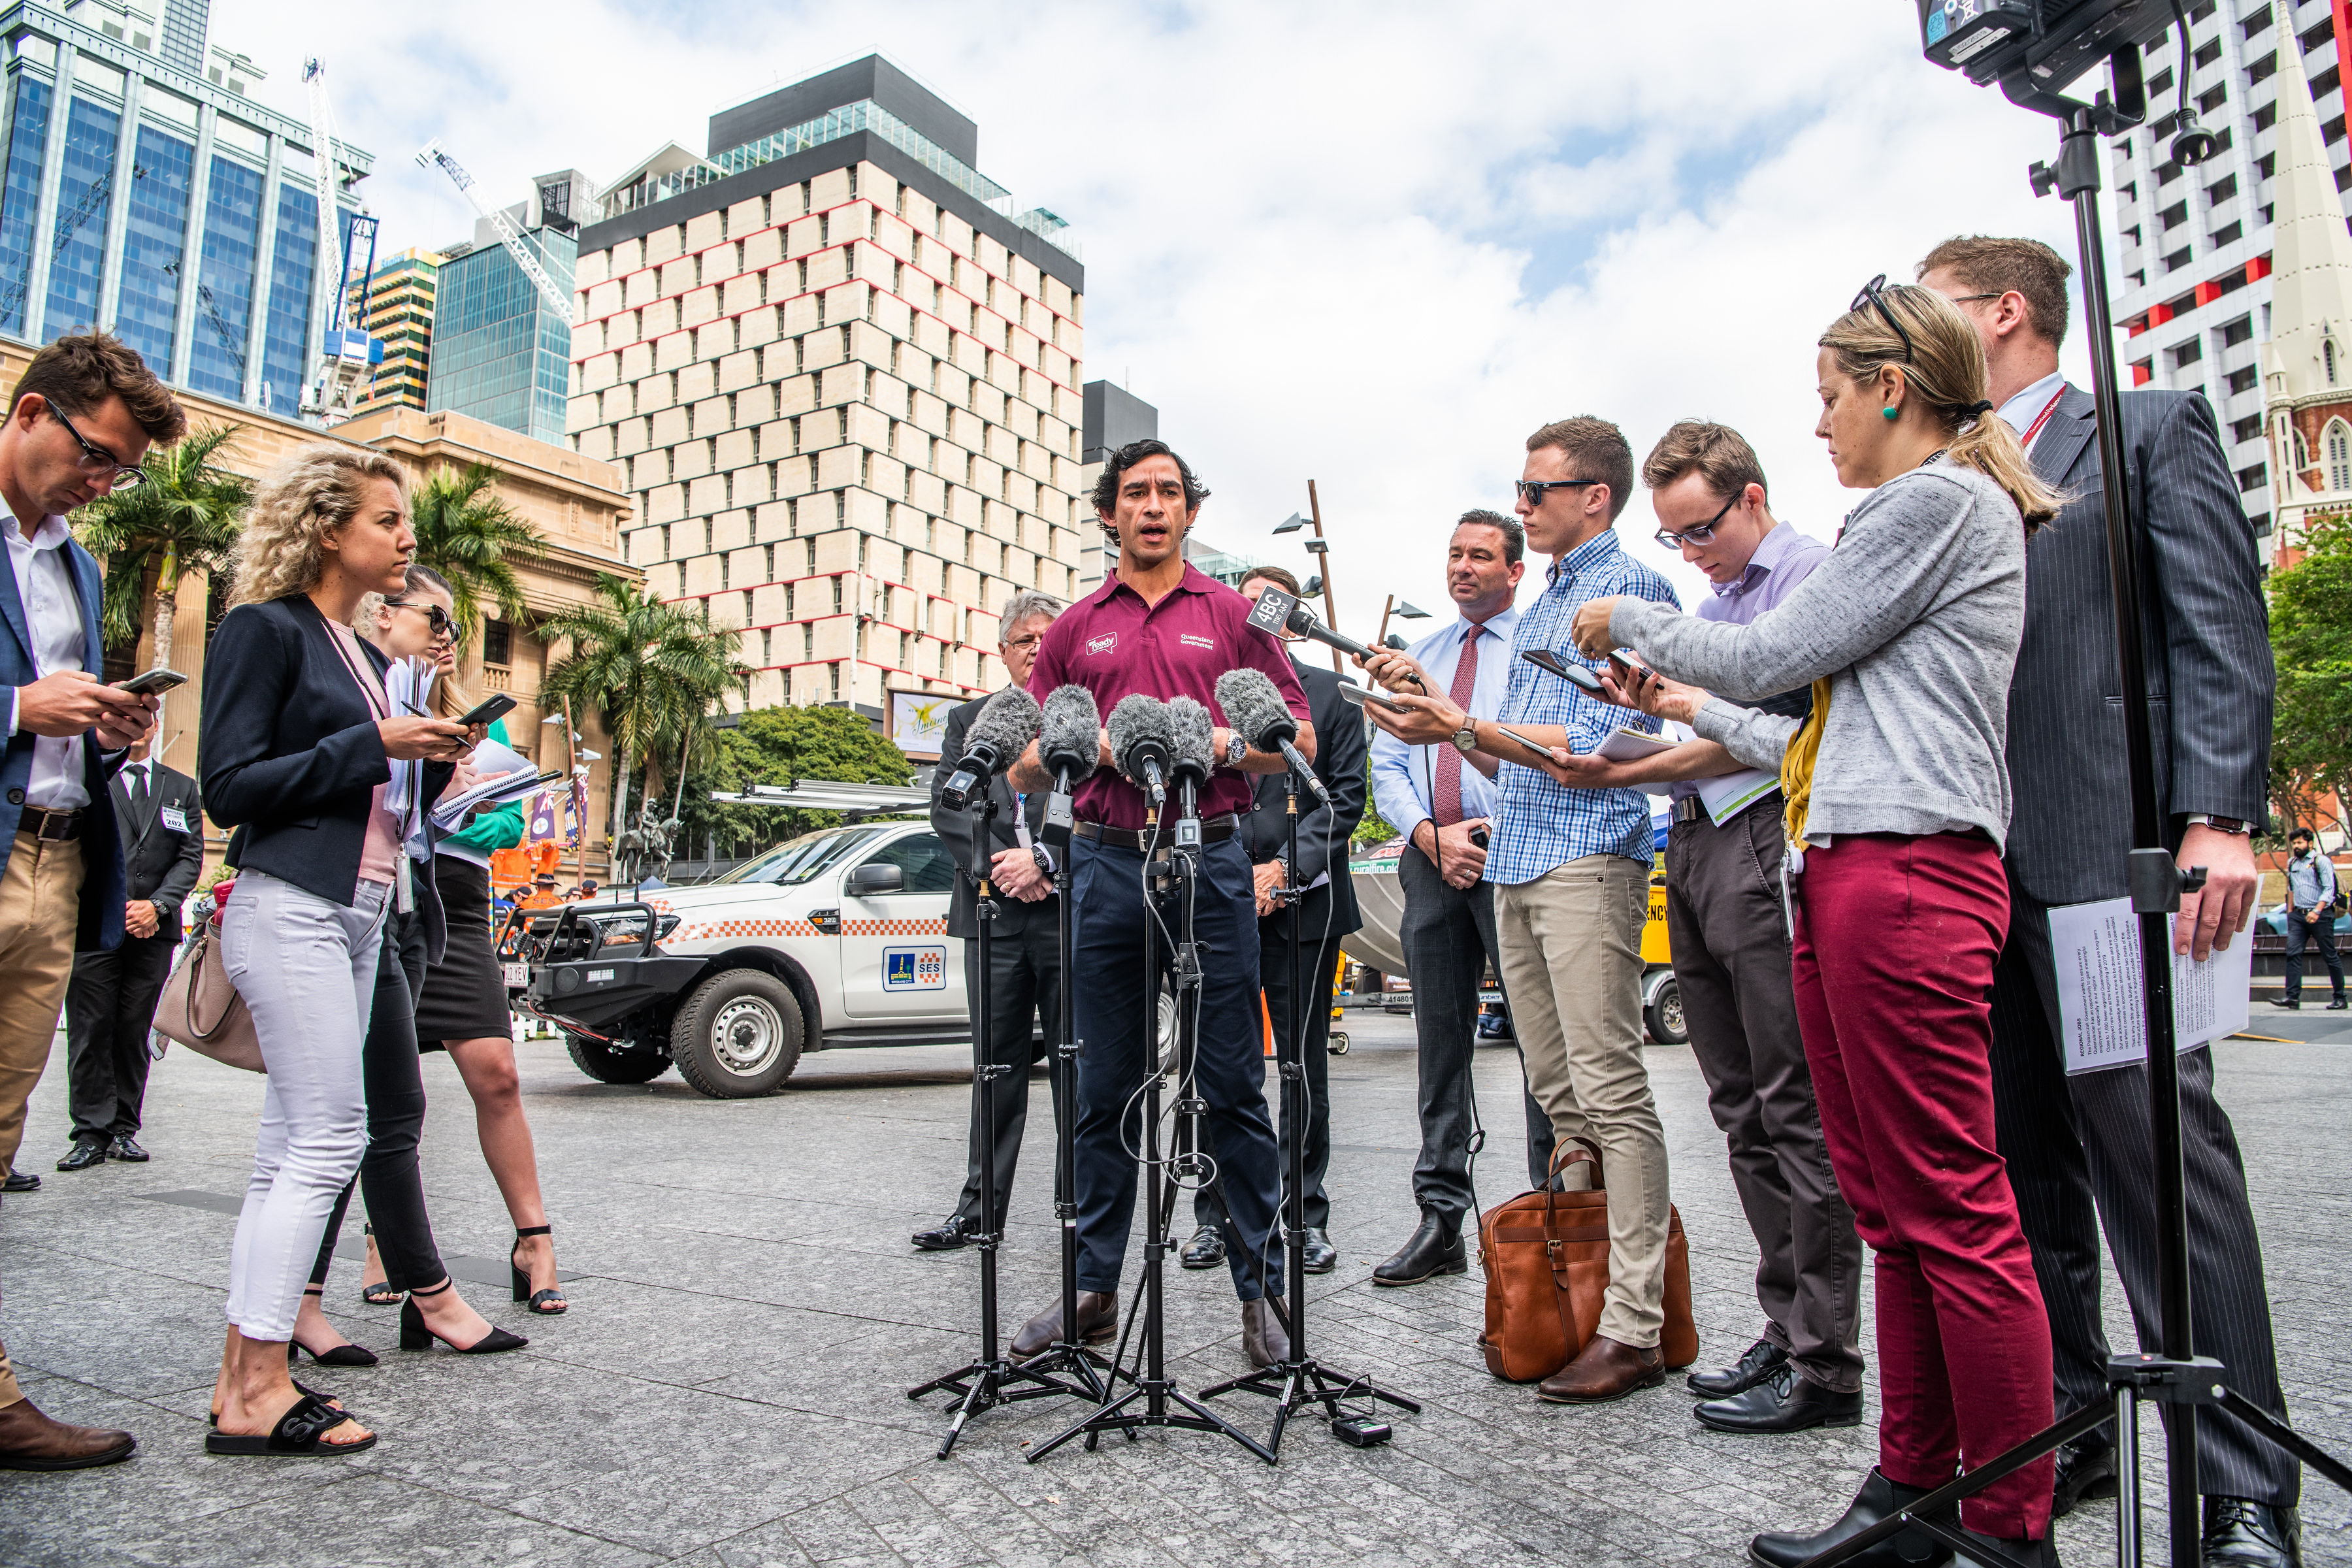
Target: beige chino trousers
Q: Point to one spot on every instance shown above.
(40, 904)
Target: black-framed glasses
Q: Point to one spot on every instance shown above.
(1700, 532)
(98, 459)
(1874, 293)
(443, 623)
(1533, 491)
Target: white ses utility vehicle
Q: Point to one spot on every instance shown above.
(836, 938)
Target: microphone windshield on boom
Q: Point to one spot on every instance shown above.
(1007, 723)
(1256, 712)
(1141, 738)
(1070, 741)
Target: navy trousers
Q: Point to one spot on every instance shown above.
(1113, 998)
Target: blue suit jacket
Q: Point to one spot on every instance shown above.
(101, 925)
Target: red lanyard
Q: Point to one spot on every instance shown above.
(2042, 418)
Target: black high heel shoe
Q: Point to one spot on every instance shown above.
(522, 1291)
(416, 1334)
(341, 1355)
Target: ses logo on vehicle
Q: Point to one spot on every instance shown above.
(914, 969)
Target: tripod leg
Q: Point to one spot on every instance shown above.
(2127, 1517)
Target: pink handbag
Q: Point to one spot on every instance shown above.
(200, 1006)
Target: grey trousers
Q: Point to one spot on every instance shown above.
(1730, 945)
(2071, 1140)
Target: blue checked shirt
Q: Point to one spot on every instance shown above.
(1539, 824)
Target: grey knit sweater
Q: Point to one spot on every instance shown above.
(1915, 618)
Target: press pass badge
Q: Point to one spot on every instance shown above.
(175, 819)
(403, 888)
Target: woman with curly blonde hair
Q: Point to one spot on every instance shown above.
(298, 747)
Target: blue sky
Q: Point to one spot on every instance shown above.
(1371, 245)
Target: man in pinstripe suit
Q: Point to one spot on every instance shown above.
(2072, 1143)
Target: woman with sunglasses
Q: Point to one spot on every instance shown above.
(1897, 802)
(413, 626)
(462, 1007)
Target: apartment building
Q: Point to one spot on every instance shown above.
(398, 309)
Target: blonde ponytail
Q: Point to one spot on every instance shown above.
(1988, 446)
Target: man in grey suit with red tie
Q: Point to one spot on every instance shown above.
(2078, 1147)
(111, 1000)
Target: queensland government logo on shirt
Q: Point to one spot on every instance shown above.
(1103, 644)
(1190, 640)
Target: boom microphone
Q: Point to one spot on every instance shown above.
(1276, 611)
(1257, 713)
(1140, 738)
(1194, 747)
(1006, 725)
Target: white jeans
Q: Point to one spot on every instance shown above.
(306, 969)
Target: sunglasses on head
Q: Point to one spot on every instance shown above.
(1874, 293)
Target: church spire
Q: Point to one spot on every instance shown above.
(2311, 251)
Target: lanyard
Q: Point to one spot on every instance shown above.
(2042, 418)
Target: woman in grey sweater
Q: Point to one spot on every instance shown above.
(1897, 802)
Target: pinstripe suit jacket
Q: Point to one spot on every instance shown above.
(2206, 631)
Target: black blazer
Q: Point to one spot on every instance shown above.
(1341, 748)
(290, 756)
(954, 828)
(2206, 634)
(161, 862)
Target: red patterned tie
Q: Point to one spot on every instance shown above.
(1446, 806)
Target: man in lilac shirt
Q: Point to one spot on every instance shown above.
(1730, 945)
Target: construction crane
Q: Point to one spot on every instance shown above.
(347, 358)
(431, 156)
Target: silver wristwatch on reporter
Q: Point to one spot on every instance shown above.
(1465, 739)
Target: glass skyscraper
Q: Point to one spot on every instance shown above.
(502, 351)
(137, 195)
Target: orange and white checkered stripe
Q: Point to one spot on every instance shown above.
(937, 927)
(720, 931)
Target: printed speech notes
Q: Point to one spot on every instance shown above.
(2095, 949)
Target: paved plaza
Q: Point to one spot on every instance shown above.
(728, 1391)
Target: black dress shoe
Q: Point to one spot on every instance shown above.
(21, 1181)
(1205, 1250)
(1783, 1401)
(2290, 1003)
(944, 1237)
(2336, 1005)
(1317, 1256)
(2086, 1470)
(1435, 1249)
(126, 1148)
(86, 1153)
(1741, 1375)
(2240, 1534)
(1878, 1498)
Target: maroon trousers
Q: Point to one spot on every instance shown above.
(1894, 949)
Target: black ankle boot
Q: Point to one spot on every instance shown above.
(1877, 1500)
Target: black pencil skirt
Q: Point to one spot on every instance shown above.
(464, 995)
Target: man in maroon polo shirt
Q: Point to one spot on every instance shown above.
(1161, 628)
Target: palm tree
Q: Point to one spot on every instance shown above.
(653, 669)
(465, 530)
(183, 518)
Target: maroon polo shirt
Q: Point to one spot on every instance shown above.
(1112, 643)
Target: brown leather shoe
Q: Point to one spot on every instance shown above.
(1606, 1370)
(1097, 1321)
(1262, 1335)
(31, 1441)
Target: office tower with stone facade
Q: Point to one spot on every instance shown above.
(840, 371)
(399, 310)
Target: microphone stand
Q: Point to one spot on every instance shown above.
(986, 1380)
(1300, 1382)
(1155, 1387)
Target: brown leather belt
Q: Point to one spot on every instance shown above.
(49, 826)
(1689, 808)
(1215, 830)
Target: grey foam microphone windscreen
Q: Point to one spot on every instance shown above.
(1004, 728)
(1254, 709)
(1190, 740)
(1138, 727)
(1070, 739)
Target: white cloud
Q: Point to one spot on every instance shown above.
(1369, 244)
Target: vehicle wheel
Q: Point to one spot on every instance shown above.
(738, 1036)
(1339, 1044)
(614, 1064)
(1664, 1015)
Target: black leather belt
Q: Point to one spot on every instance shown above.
(1214, 830)
(49, 826)
(1690, 808)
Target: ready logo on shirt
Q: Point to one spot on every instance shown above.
(1103, 644)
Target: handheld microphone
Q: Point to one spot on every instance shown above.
(1276, 611)
(1069, 742)
(1255, 710)
(1006, 725)
(1140, 738)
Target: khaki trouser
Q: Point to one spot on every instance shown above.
(40, 903)
(1570, 944)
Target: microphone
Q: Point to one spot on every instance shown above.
(1276, 611)
(1006, 725)
(1069, 742)
(1193, 748)
(1255, 710)
(1140, 738)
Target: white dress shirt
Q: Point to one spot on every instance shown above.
(1403, 775)
(2022, 409)
(53, 616)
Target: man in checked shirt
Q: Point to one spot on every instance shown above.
(1571, 875)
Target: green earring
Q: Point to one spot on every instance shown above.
(1891, 412)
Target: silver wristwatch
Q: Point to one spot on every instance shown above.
(1465, 739)
(1236, 749)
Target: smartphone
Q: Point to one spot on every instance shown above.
(1576, 675)
(1478, 836)
(1360, 696)
(495, 706)
(1543, 752)
(1623, 668)
(154, 680)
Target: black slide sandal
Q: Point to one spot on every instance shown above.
(321, 1395)
(298, 1435)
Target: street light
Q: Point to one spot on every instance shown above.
(1320, 548)
(1403, 611)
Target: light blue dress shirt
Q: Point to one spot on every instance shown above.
(1402, 774)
